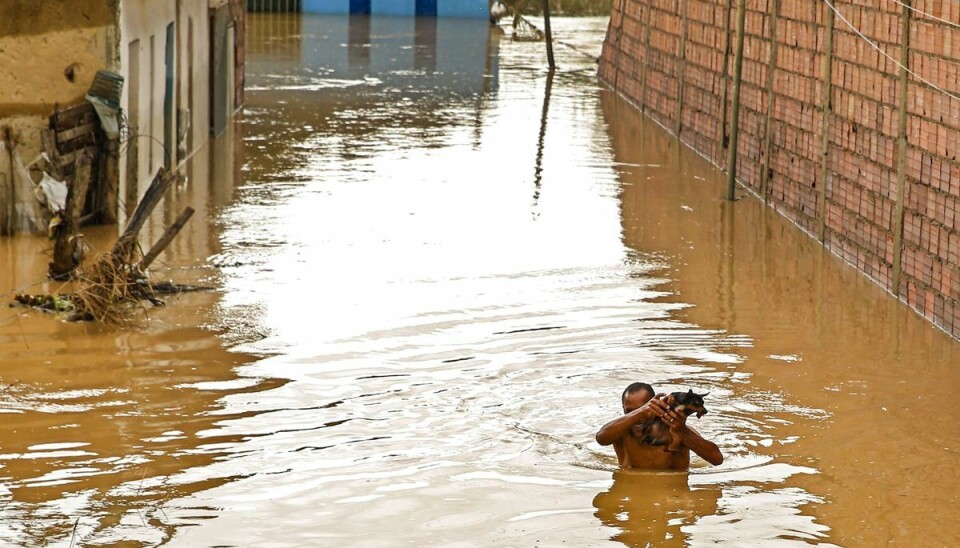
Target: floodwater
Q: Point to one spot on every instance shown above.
(435, 269)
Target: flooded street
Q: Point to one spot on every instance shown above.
(436, 269)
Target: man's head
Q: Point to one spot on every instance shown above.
(636, 395)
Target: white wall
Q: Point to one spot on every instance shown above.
(144, 20)
(194, 18)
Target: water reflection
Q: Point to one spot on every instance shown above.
(98, 420)
(538, 163)
(831, 350)
(653, 509)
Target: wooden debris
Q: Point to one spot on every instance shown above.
(69, 249)
(115, 278)
(115, 283)
(167, 237)
(53, 303)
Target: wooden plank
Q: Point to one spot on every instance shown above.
(71, 157)
(72, 116)
(84, 141)
(84, 130)
(168, 235)
(65, 256)
(126, 244)
(109, 183)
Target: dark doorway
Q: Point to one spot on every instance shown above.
(426, 8)
(359, 7)
(168, 127)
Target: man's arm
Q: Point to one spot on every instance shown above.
(707, 450)
(620, 426)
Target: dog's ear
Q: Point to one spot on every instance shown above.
(690, 391)
(705, 395)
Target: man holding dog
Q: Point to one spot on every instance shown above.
(641, 403)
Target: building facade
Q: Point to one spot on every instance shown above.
(182, 67)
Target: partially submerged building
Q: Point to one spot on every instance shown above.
(175, 68)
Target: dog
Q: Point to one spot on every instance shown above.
(657, 432)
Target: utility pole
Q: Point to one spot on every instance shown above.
(735, 115)
(546, 30)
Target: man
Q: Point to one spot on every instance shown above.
(641, 403)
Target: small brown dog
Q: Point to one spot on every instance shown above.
(657, 432)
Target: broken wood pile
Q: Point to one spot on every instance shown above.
(80, 154)
(72, 132)
(104, 290)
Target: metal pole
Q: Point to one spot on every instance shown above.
(771, 101)
(901, 151)
(682, 62)
(616, 57)
(735, 115)
(546, 30)
(647, 12)
(724, 138)
(826, 101)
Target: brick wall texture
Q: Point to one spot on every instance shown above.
(827, 152)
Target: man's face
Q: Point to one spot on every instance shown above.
(635, 400)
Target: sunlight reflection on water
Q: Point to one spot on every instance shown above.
(470, 321)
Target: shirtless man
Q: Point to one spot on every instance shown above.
(639, 404)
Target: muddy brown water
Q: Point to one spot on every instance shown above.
(435, 270)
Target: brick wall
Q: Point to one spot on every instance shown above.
(834, 171)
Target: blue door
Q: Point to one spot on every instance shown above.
(359, 7)
(426, 8)
(168, 137)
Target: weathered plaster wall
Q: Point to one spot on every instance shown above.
(143, 26)
(228, 41)
(821, 138)
(142, 53)
(49, 54)
(26, 17)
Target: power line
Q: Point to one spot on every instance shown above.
(875, 46)
(927, 15)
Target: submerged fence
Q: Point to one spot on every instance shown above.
(849, 120)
